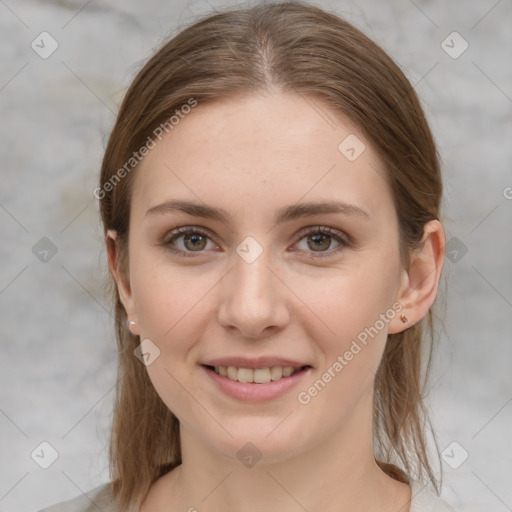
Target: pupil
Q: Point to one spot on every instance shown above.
(194, 239)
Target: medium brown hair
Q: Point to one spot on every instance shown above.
(294, 48)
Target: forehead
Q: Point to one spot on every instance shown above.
(263, 151)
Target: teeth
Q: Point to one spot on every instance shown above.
(244, 375)
(287, 371)
(276, 372)
(258, 375)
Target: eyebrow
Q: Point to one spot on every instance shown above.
(285, 214)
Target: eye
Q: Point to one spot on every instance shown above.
(188, 239)
(319, 240)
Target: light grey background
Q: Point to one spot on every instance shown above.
(58, 350)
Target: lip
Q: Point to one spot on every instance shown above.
(251, 392)
(259, 362)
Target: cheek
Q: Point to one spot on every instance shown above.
(350, 299)
(350, 331)
(172, 309)
(167, 298)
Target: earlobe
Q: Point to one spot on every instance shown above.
(420, 281)
(122, 280)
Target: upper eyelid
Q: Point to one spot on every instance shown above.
(327, 230)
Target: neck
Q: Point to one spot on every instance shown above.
(337, 474)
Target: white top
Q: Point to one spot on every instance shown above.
(98, 498)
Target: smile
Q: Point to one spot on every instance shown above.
(256, 375)
(255, 384)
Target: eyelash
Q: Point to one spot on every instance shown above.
(338, 236)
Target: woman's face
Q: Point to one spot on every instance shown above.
(266, 278)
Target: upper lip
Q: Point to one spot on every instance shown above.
(259, 362)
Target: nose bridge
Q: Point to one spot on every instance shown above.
(252, 300)
(252, 278)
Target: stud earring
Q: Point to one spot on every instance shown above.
(130, 324)
(403, 318)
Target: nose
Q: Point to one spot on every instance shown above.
(253, 299)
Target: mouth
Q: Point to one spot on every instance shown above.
(256, 379)
(256, 375)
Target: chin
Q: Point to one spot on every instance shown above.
(258, 442)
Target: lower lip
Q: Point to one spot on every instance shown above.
(251, 392)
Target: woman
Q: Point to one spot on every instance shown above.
(270, 197)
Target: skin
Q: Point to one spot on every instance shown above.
(252, 157)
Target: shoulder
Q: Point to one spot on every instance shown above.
(423, 500)
(96, 499)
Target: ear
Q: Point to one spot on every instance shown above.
(419, 284)
(122, 280)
